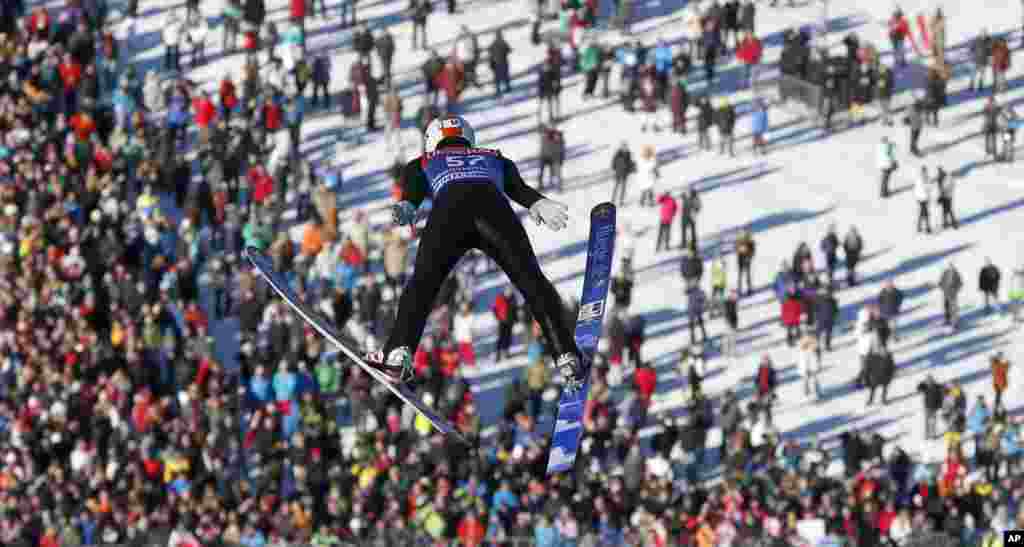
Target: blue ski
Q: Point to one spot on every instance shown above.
(565, 440)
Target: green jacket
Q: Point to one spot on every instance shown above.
(328, 377)
(591, 58)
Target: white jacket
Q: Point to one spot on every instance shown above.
(462, 328)
(900, 531)
(923, 188)
(198, 31)
(807, 362)
(172, 32)
(647, 172)
(758, 433)
(886, 155)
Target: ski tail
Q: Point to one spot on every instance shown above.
(265, 268)
(568, 430)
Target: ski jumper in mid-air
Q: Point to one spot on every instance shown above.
(471, 188)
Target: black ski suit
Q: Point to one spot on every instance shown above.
(471, 210)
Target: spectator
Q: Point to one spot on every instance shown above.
(690, 207)
(418, 12)
(765, 383)
(899, 30)
(385, 46)
(923, 195)
(981, 57)
(705, 119)
(1000, 64)
(887, 163)
(1000, 366)
(622, 286)
(745, 248)
(853, 246)
(171, 36)
(497, 53)
(552, 155)
(759, 126)
(809, 363)
(950, 284)
(695, 303)
(667, 214)
(933, 393)
(792, 310)
(915, 121)
(622, 166)
(680, 103)
(890, 300)
(880, 371)
(726, 122)
(988, 283)
(826, 310)
(945, 186)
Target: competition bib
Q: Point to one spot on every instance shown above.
(468, 165)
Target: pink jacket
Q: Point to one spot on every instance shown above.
(668, 208)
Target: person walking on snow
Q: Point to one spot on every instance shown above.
(696, 301)
(923, 195)
(647, 168)
(944, 182)
(988, 283)
(853, 246)
(470, 189)
(887, 164)
(622, 166)
(691, 205)
(809, 364)
(950, 284)
(667, 215)
(890, 300)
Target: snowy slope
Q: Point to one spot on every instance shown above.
(806, 183)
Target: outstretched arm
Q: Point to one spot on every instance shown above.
(516, 188)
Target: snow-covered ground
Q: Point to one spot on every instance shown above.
(806, 182)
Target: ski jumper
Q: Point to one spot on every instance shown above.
(471, 189)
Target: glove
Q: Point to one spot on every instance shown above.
(550, 213)
(403, 213)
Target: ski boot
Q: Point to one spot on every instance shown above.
(397, 369)
(568, 365)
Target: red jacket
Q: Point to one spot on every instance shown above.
(646, 381)
(228, 95)
(898, 27)
(668, 208)
(70, 74)
(262, 184)
(272, 117)
(792, 309)
(885, 519)
(204, 110)
(500, 308)
(750, 51)
(298, 9)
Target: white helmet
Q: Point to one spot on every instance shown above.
(446, 127)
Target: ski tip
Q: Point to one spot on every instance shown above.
(602, 210)
(252, 254)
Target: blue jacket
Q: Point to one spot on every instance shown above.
(663, 58)
(284, 385)
(297, 111)
(322, 69)
(1011, 443)
(545, 536)
(504, 498)
(977, 419)
(759, 121)
(783, 280)
(177, 112)
(695, 301)
(260, 389)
